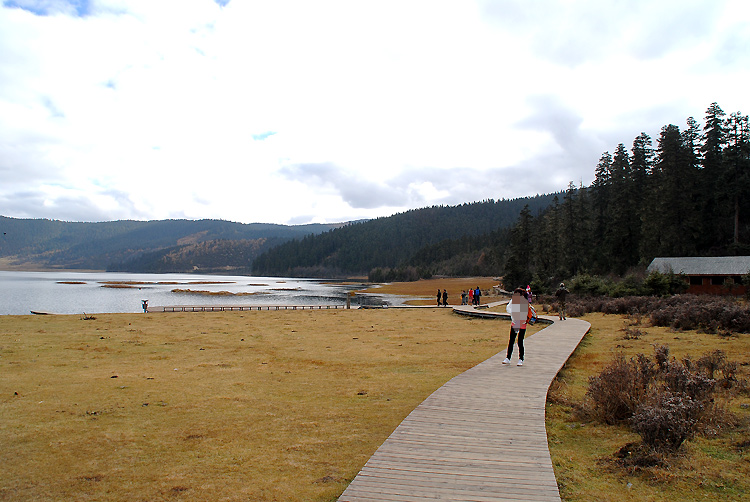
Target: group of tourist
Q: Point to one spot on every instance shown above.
(473, 297)
(442, 298)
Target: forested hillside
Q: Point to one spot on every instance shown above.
(140, 245)
(689, 195)
(412, 242)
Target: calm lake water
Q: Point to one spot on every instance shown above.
(93, 292)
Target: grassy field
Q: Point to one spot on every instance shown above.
(289, 405)
(281, 405)
(714, 467)
(426, 290)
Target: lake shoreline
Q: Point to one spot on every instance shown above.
(74, 292)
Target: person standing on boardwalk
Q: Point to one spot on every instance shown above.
(471, 296)
(561, 294)
(439, 295)
(463, 297)
(445, 298)
(518, 308)
(477, 296)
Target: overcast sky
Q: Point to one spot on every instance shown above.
(324, 111)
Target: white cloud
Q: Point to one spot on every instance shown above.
(295, 111)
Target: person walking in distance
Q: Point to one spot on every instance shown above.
(439, 296)
(518, 308)
(445, 298)
(561, 294)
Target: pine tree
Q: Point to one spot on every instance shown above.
(518, 264)
(714, 139)
(575, 226)
(641, 168)
(736, 179)
(547, 250)
(619, 243)
(715, 211)
(675, 212)
(600, 201)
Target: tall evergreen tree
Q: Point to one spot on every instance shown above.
(713, 201)
(641, 169)
(642, 155)
(619, 243)
(575, 225)
(691, 138)
(736, 179)
(547, 252)
(518, 266)
(714, 138)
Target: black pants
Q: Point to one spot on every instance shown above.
(512, 341)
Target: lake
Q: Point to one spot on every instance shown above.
(67, 292)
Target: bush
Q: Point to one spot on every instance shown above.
(682, 377)
(659, 284)
(664, 400)
(661, 356)
(631, 285)
(615, 394)
(656, 284)
(594, 285)
(711, 362)
(706, 313)
(667, 420)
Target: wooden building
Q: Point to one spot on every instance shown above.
(718, 275)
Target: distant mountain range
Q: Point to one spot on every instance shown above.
(406, 239)
(202, 246)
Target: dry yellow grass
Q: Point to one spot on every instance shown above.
(428, 289)
(713, 468)
(289, 405)
(281, 405)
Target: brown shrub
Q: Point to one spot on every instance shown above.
(667, 420)
(685, 312)
(615, 394)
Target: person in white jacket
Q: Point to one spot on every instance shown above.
(520, 313)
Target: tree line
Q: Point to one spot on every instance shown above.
(405, 246)
(688, 195)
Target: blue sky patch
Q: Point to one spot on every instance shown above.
(263, 135)
(78, 8)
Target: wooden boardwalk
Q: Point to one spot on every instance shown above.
(239, 308)
(480, 437)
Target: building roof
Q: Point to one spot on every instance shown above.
(717, 265)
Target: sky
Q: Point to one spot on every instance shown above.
(298, 111)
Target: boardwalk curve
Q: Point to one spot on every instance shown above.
(480, 437)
